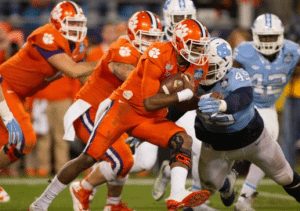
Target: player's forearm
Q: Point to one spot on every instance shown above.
(120, 70)
(159, 101)
(81, 69)
(239, 99)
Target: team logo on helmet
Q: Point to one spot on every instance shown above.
(133, 23)
(56, 13)
(182, 30)
(223, 51)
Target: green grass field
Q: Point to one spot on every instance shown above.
(137, 194)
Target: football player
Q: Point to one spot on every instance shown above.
(173, 12)
(137, 107)
(144, 28)
(270, 61)
(233, 129)
(49, 52)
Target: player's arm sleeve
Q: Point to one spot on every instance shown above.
(121, 65)
(48, 53)
(239, 99)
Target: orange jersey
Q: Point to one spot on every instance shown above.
(63, 88)
(28, 71)
(103, 82)
(95, 53)
(156, 64)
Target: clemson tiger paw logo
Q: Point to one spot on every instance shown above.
(48, 38)
(181, 30)
(124, 51)
(154, 53)
(56, 13)
(133, 23)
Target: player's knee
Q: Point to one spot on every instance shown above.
(147, 164)
(106, 170)
(180, 145)
(293, 189)
(285, 177)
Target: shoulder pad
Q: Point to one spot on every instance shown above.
(290, 46)
(238, 77)
(244, 51)
(123, 51)
(159, 53)
(47, 38)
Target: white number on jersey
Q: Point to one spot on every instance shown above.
(242, 76)
(273, 87)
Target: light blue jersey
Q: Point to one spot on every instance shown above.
(268, 78)
(227, 123)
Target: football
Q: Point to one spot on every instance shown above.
(172, 84)
(217, 95)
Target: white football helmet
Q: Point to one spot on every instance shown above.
(220, 61)
(174, 11)
(267, 25)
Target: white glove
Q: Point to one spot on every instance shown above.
(15, 134)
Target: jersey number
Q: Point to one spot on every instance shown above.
(242, 76)
(275, 82)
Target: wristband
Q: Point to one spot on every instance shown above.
(5, 112)
(184, 95)
(223, 106)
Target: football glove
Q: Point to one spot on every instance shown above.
(211, 105)
(15, 134)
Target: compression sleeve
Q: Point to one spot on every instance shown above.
(239, 99)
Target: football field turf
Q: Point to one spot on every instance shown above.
(137, 194)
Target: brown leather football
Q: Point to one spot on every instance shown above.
(217, 95)
(172, 84)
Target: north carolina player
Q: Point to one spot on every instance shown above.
(137, 107)
(50, 51)
(270, 61)
(233, 129)
(144, 28)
